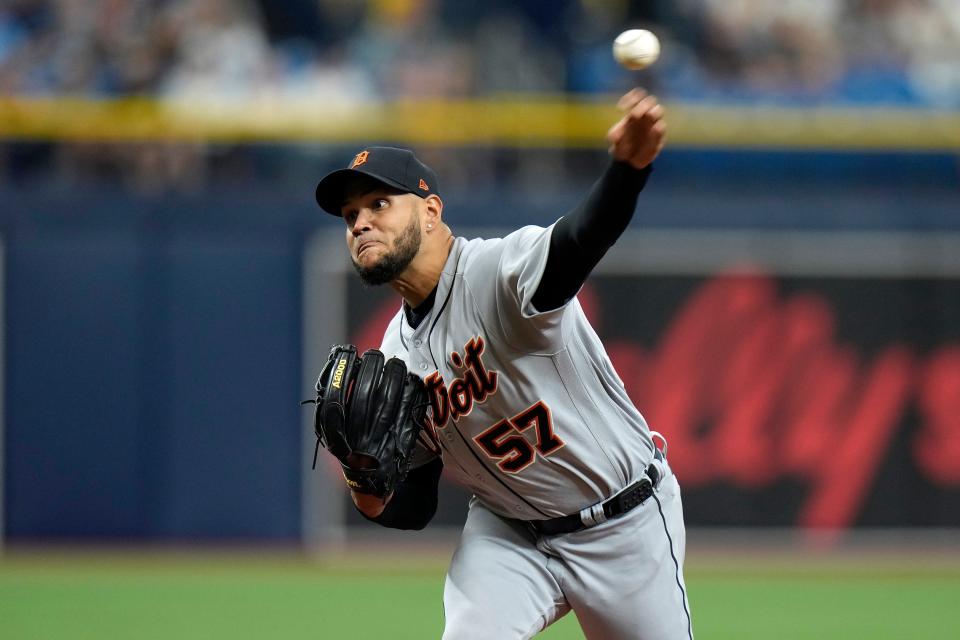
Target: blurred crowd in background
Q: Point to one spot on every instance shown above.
(811, 51)
(348, 52)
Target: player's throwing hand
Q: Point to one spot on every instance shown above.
(639, 135)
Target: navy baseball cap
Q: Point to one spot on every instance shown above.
(397, 168)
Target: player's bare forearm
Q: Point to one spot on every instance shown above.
(411, 505)
(370, 506)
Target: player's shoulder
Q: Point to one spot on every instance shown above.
(528, 236)
(493, 249)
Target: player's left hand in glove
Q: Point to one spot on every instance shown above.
(368, 415)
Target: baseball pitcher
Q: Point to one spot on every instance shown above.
(490, 370)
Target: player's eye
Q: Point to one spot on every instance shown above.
(380, 203)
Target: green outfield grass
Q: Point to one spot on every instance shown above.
(267, 595)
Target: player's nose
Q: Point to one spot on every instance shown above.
(362, 222)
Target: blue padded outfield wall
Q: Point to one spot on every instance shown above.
(153, 343)
(152, 369)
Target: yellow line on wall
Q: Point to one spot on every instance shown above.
(522, 121)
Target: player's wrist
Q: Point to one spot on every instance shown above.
(626, 168)
(370, 505)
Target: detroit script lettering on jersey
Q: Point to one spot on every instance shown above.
(502, 442)
(474, 385)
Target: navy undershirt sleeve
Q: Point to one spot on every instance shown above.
(414, 500)
(582, 237)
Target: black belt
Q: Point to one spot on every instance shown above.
(633, 496)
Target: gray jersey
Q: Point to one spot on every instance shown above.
(527, 410)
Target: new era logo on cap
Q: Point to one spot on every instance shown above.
(394, 167)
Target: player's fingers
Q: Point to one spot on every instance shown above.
(658, 135)
(639, 142)
(643, 117)
(648, 109)
(630, 99)
(655, 112)
(659, 128)
(623, 147)
(624, 138)
(615, 133)
(638, 137)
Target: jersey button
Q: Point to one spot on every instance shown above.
(417, 343)
(423, 366)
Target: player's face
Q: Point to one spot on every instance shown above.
(383, 233)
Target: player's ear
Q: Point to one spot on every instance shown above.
(432, 211)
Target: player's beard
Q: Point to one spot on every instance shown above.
(393, 263)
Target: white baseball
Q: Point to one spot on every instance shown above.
(636, 49)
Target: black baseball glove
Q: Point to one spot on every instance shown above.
(368, 415)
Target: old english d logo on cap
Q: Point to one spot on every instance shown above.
(359, 159)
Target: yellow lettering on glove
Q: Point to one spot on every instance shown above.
(338, 373)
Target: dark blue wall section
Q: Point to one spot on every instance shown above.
(231, 444)
(153, 369)
(73, 446)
